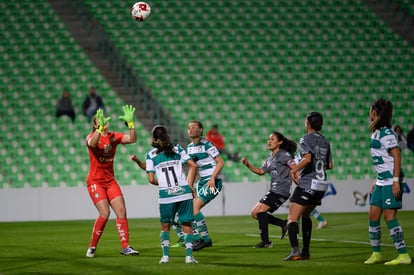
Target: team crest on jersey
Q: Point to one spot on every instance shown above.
(96, 195)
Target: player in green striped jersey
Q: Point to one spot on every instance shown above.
(164, 168)
(386, 191)
(209, 165)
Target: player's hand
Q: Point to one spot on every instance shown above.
(295, 176)
(193, 192)
(211, 183)
(396, 189)
(102, 121)
(245, 161)
(371, 189)
(140, 163)
(128, 116)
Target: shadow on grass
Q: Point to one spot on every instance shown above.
(248, 265)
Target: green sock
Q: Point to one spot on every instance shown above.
(188, 239)
(375, 235)
(317, 215)
(397, 236)
(202, 226)
(165, 242)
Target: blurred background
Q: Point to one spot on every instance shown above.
(250, 67)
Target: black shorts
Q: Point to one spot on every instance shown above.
(273, 200)
(307, 196)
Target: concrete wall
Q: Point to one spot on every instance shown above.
(40, 204)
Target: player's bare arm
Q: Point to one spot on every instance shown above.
(305, 161)
(252, 168)
(152, 179)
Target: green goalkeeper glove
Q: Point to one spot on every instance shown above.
(101, 120)
(128, 116)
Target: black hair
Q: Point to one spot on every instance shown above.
(161, 140)
(384, 110)
(287, 144)
(315, 120)
(399, 129)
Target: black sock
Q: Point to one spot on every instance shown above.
(293, 230)
(275, 220)
(306, 233)
(263, 226)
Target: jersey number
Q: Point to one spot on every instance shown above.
(170, 171)
(320, 169)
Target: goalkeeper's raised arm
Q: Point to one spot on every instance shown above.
(128, 118)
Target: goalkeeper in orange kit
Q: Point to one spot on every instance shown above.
(102, 186)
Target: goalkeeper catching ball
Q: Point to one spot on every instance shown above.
(103, 188)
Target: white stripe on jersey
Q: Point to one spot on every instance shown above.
(381, 142)
(204, 154)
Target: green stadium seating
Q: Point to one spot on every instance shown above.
(258, 66)
(39, 59)
(252, 67)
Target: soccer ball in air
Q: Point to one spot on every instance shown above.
(141, 11)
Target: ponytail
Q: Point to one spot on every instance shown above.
(287, 144)
(384, 110)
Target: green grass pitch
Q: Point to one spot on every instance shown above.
(59, 247)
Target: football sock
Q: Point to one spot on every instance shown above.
(306, 232)
(293, 231)
(317, 215)
(202, 226)
(275, 220)
(188, 239)
(178, 230)
(397, 236)
(98, 228)
(165, 242)
(263, 226)
(196, 234)
(123, 231)
(375, 235)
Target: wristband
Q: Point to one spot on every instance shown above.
(131, 125)
(395, 179)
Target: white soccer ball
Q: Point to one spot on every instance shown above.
(141, 11)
